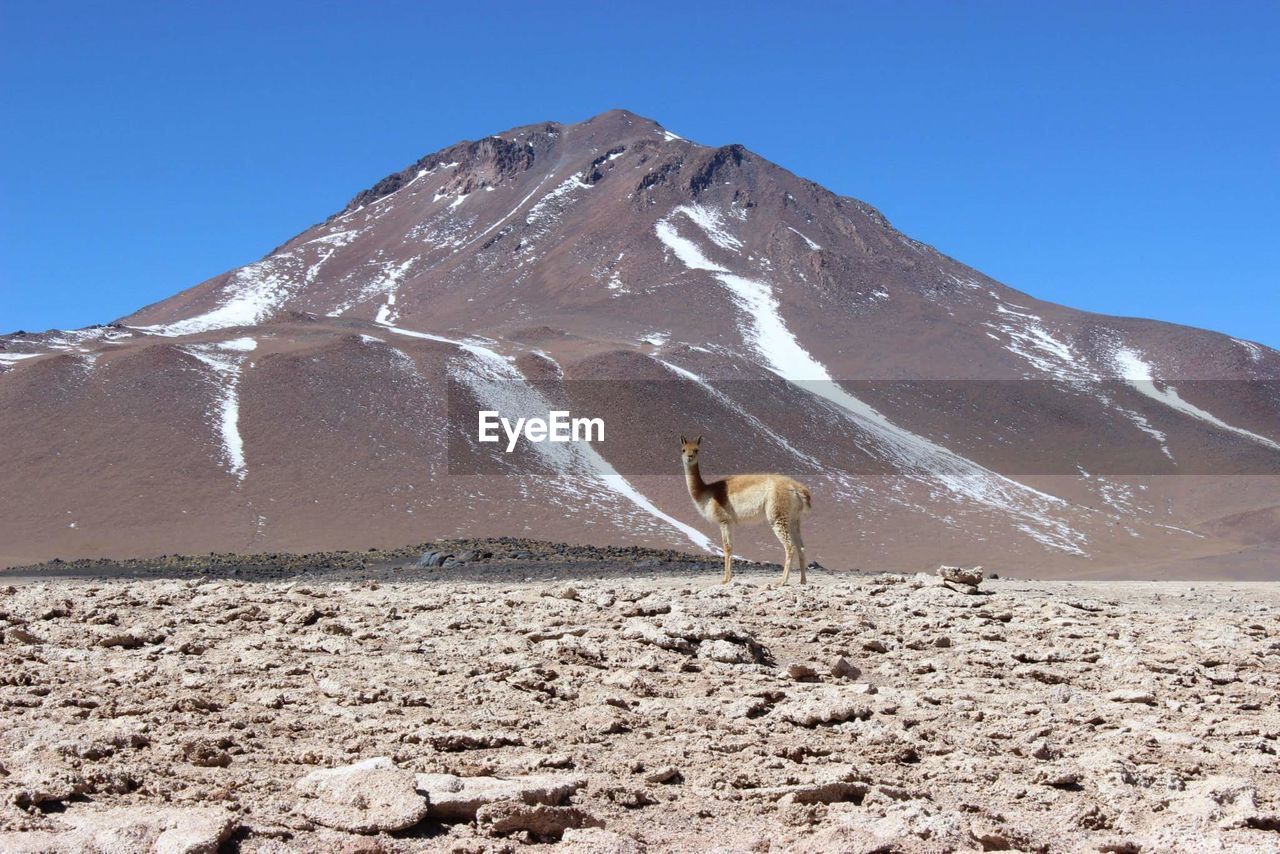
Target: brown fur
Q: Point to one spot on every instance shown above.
(745, 497)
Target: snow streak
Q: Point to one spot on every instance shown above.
(224, 363)
(495, 380)
(1138, 373)
(251, 296)
(767, 333)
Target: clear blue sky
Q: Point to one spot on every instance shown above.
(1119, 157)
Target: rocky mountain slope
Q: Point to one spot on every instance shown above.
(322, 397)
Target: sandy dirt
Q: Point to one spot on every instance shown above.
(459, 709)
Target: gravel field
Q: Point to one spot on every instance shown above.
(621, 700)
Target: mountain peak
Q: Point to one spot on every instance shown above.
(492, 158)
(612, 249)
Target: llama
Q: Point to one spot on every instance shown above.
(744, 498)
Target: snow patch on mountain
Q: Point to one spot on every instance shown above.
(730, 403)
(684, 249)
(1254, 351)
(815, 247)
(712, 223)
(767, 332)
(784, 355)
(1030, 339)
(386, 282)
(1140, 421)
(225, 415)
(252, 295)
(544, 207)
(336, 238)
(77, 339)
(494, 379)
(1138, 373)
(512, 212)
(239, 345)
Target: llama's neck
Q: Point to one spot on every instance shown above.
(693, 477)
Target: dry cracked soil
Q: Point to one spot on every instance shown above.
(638, 709)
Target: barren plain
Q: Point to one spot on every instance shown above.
(632, 704)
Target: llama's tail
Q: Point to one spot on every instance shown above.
(805, 496)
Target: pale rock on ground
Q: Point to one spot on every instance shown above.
(861, 713)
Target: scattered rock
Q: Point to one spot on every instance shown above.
(1004, 738)
(803, 672)
(17, 634)
(457, 799)
(1127, 695)
(825, 705)
(666, 775)
(594, 840)
(124, 640)
(725, 652)
(123, 830)
(960, 575)
(206, 753)
(460, 740)
(836, 784)
(542, 822)
(629, 797)
(373, 796)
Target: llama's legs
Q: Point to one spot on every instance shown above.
(783, 532)
(728, 553)
(799, 544)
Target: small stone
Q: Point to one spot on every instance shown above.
(725, 652)
(843, 669)
(802, 673)
(666, 775)
(1060, 778)
(875, 646)
(1128, 695)
(124, 640)
(1041, 750)
(205, 753)
(960, 575)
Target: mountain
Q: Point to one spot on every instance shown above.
(325, 396)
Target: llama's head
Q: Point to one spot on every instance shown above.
(689, 450)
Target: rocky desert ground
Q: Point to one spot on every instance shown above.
(625, 703)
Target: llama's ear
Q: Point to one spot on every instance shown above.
(698, 441)
(683, 440)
